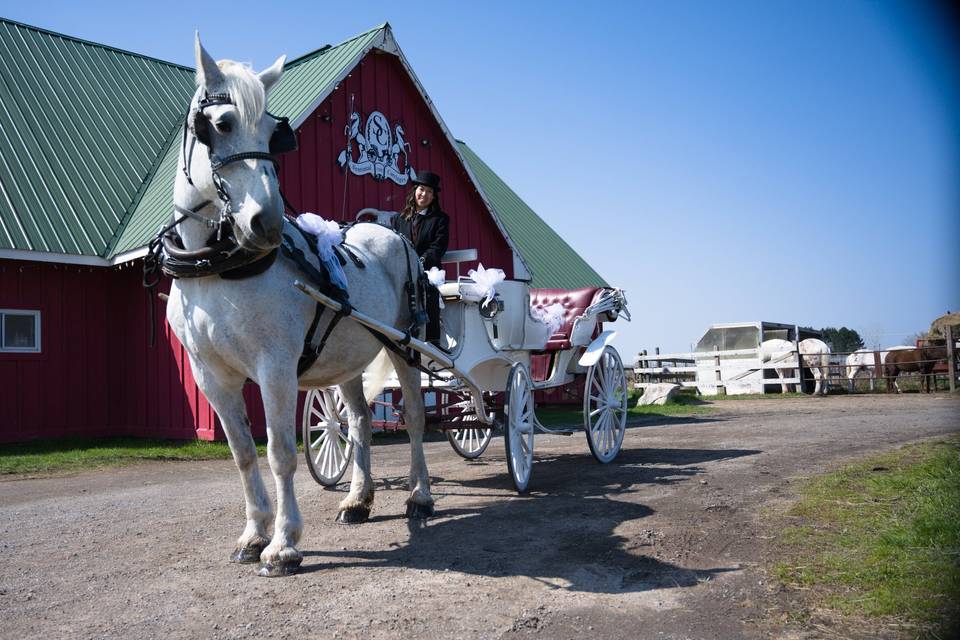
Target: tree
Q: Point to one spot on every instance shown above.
(842, 340)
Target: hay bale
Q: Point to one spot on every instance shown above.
(938, 326)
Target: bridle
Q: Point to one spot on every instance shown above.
(222, 254)
(196, 122)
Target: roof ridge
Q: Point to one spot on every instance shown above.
(99, 45)
(330, 47)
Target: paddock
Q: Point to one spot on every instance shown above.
(739, 371)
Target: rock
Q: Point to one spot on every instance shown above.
(658, 394)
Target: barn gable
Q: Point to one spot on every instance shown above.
(90, 178)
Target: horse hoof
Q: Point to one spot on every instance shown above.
(247, 555)
(419, 511)
(280, 569)
(353, 515)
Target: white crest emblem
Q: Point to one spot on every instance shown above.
(380, 150)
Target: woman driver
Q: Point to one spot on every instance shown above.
(428, 229)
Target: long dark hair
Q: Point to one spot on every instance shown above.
(410, 206)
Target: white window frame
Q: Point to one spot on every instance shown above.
(36, 327)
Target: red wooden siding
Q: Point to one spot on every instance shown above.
(97, 374)
(313, 181)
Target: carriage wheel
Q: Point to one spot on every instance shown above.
(469, 443)
(518, 435)
(605, 406)
(326, 445)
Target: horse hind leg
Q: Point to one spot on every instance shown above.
(420, 502)
(783, 386)
(281, 557)
(229, 405)
(355, 508)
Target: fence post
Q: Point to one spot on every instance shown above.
(877, 369)
(798, 387)
(721, 388)
(951, 359)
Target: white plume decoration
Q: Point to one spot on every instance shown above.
(551, 316)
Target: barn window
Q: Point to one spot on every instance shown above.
(19, 330)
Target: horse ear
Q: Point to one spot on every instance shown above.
(270, 76)
(208, 73)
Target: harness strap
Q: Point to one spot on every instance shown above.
(217, 163)
(356, 261)
(308, 356)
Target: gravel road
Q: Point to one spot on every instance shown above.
(668, 541)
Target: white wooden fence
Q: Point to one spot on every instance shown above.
(728, 369)
(722, 367)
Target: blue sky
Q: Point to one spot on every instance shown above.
(722, 162)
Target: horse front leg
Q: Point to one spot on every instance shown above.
(783, 387)
(281, 557)
(420, 502)
(227, 401)
(355, 508)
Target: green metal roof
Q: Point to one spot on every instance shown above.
(80, 125)
(305, 82)
(554, 263)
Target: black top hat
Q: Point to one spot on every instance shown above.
(428, 179)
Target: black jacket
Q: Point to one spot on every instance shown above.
(433, 235)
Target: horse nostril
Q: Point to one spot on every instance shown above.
(261, 228)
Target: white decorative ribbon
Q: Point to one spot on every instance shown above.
(487, 280)
(436, 276)
(328, 235)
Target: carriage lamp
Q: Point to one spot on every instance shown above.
(490, 309)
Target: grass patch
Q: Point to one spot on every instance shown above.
(680, 405)
(882, 539)
(758, 396)
(75, 454)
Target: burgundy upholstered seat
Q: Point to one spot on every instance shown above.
(574, 302)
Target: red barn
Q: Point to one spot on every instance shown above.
(90, 137)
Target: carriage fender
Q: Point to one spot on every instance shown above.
(595, 348)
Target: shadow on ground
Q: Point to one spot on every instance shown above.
(577, 529)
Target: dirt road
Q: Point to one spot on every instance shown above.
(665, 542)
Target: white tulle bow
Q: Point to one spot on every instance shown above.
(436, 276)
(328, 235)
(487, 280)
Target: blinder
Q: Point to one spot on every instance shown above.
(282, 140)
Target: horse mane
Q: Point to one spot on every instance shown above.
(245, 89)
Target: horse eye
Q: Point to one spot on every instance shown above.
(224, 126)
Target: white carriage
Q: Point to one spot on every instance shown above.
(482, 380)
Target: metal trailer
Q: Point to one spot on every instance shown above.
(741, 372)
(483, 381)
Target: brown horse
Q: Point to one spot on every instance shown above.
(921, 360)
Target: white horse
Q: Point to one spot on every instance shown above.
(254, 328)
(815, 354)
(861, 361)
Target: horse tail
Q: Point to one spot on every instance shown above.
(376, 376)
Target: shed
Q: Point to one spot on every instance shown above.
(90, 136)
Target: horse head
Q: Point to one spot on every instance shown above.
(239, 181)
